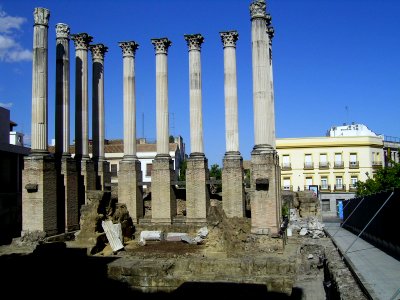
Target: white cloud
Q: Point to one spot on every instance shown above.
(6, 105)
(10, 49)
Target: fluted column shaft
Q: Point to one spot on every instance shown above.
(194, 42)
(230, 88)
(128, 53)
(81, 42)
(98, 129)
(62, 121)
(39, 80)
(161, 47)
(263, 101)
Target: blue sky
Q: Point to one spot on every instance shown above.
(335, 61)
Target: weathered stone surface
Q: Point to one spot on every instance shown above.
(233, 198)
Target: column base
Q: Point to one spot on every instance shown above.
(39, 194)
(197, 191)
(233, 198)
(265, 197)
(129, 192)
(163, 202)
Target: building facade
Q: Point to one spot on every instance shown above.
(331, 165)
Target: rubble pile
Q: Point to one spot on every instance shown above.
(310, 226)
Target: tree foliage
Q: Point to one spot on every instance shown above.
(216, 173)
(384, 179)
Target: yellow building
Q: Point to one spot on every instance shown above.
(333, 164)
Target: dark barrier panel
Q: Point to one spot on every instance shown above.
(382, 230)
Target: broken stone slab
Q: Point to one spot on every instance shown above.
(150, 235)
(203, 232)
(289, 231)
(175, 236)
(303, 231)
(188, 239)
(114, 234)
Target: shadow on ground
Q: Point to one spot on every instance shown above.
(53, 270)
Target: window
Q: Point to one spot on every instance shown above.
(353, 160)
(338, 160)
(324, 183)
(149, 167)
(323, 160)
(286, 184)
(308, 164)
(308, 182)
(114, 170)
(326, 205)
(353, 182)
(286, 162)
(339, 182)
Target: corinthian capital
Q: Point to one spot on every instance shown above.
(98, 51)
(161, 45)
(81, 40)
(194, 41)
(258, 10)
(229, 38)
(41, 16)
(271, 33)
(62, 31)
(128, 48)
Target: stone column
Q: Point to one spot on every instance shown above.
(39, 196)
(67, 177)
(197, 174)
(233, 200)
(39, 80)
(102, 167)
(163, 200)
(265, 171)
(87, 180)
(130, 173)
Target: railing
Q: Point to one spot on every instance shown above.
(308, 165)
(339, 187)
(323, 165)
(286, 166)
(325, 187)
(376, 164)
(354, 165)
(352, 187)
(338, 165)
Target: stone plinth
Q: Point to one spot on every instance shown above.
(70, 177)
(233, 200)
(265, 192)
(103, 175)
(129, 192)
(88, 177)
(197, 193)
(163, 202)
(39, 195)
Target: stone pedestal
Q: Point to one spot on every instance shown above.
(265, 192)
(197, 192)
(233, 200)
(70, 177)
(103, 175)
(88, 177)
(129, 192)
(163, 202)
(39, 195)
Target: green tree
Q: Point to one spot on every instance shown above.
(182, 171)
(384, 179)
(216, 173)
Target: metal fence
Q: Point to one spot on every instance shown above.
(374, 218)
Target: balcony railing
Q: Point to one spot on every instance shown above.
(286, 166)
(339, 165)
(354, 165)
(340, 187)
(323, 165)
(377, 164)
(308, 165)
(352, 187)
(325, 187)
